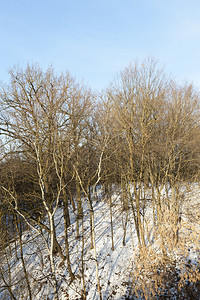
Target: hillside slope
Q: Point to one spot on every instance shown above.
(117, 268)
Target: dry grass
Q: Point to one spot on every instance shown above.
(175, 272)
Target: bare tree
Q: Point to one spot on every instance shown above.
(135, 97)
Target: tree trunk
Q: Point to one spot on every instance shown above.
(95, 253)
(79, 206)
(17, 224)
(67, 224)
(56, 246)
(71, 274)
(66, 208)
(82, 263)
(141, 233)
(125, 225)
(91, 236)
(111, 219)
(134, 216)
(51, 255)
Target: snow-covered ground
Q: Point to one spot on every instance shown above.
(115, 267)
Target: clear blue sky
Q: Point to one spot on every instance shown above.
(95, 39)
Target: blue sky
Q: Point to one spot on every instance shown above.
(95, 39)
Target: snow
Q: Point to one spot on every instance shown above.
(115, 267)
